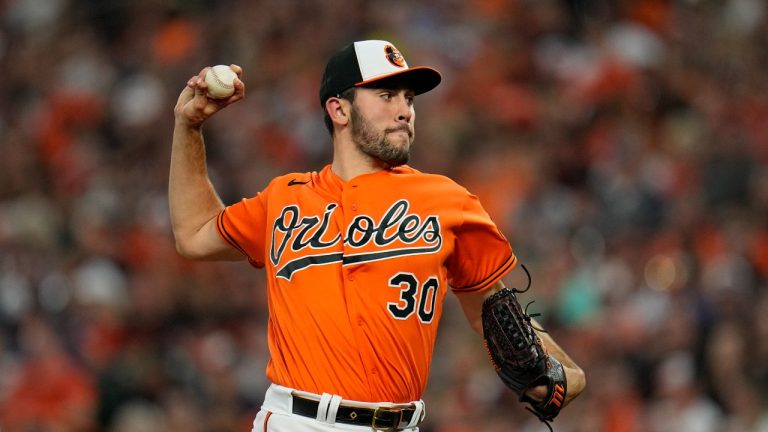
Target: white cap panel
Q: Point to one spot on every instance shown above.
(378, 58)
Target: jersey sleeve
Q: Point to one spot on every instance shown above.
(482, 255)
(242, 225)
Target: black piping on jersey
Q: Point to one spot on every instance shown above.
(508, 263)
(227, 236)
(291, 267)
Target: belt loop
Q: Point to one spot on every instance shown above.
(418, 414)
(322, 407)
(333, 409)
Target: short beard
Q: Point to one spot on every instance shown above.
(376, 144)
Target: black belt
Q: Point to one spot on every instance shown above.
(383, 418)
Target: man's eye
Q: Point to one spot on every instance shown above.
(386, 96)
(410, 100)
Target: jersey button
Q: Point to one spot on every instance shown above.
(354, 207)
(374, 371)
(360, 322)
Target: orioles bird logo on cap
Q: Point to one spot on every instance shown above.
(394, 56)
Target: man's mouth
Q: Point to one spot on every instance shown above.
(401, 129)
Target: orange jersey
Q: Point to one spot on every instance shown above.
(357, 272)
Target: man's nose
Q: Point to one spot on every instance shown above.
(404, 109)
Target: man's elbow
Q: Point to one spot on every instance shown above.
(186, 249)
(577, 382)
(198, 249)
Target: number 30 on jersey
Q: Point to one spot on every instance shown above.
(415, 297)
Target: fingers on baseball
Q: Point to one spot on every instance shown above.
(239, 91)
(199, 89)
(238, 83)
(201, 98)
(187, 93)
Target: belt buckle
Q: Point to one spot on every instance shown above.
(376, 419)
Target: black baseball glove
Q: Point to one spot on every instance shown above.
(519, 356)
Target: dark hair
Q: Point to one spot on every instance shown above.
(348, 94)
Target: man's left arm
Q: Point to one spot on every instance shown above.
(574, 375)
(472, 304)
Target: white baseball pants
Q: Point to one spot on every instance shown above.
(276, 414)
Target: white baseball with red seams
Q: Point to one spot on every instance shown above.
(220, 80)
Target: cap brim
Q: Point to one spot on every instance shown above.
(420, 79)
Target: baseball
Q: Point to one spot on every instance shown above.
(220, 80)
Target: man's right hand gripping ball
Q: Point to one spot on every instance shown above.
(518, 355)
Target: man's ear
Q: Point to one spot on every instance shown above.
(338, 110)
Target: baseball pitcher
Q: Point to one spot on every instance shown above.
(359, 257)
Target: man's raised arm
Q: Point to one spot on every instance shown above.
(194, 203)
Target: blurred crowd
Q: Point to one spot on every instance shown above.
(622, 146)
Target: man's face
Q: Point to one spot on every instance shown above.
(382, 124)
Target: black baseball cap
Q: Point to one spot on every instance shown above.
(373, 61)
